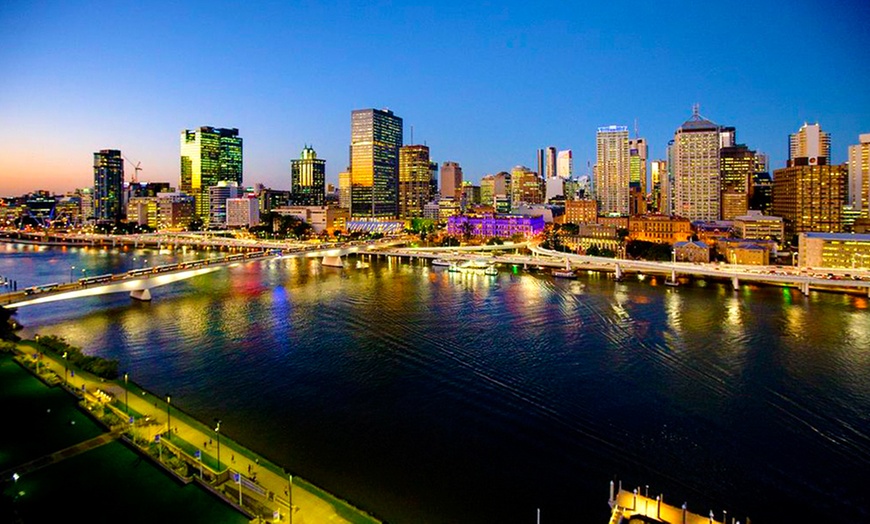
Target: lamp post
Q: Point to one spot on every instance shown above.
(126, 396)
(217, 431)
(168, 417)
(71, 269)
(65, 369)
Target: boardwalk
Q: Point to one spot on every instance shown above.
(262, 485)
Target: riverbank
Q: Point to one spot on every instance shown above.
(192, 452)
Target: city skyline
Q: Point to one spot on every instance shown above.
(283, 88)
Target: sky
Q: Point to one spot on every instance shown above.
(483, 84)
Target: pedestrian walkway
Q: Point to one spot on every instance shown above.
(63, 454)
(232, 468)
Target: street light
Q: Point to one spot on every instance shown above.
(71, 269)
(65, 369)
(126, 396)
(168, 417)
(217, 431)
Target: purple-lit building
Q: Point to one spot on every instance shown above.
(504, 226)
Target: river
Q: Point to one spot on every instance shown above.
(427, 396)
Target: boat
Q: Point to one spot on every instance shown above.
(453, 268)
(565, 272)
(361, 265)
(440, 262)
(490, 270)
(672, 280)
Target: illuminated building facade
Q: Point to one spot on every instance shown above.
(841, 250)
(308, 174)
(175, 211)
(612, 169)
(581, 211)
(451, 180)
(756, 226)
(502, 226)
(108, 185)
(415, 188)
(859, 176)
(375, 139)
(737, 165)
(526, 186)
(659, 228)
(143, 211)
(810, 197)
(812, 143)
(344, 189)
(696, 170)
(209, 155)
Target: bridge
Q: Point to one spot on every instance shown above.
(139, 282)
(851, 281)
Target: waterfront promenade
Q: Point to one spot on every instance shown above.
(244, 479)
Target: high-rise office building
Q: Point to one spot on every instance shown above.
(658, 181)
(451, 180)
(308, 184)
(209, 155)
(565, 164)
(812, 143)
(551, 163)
(637, 157)
(737, 166)
(108, 185)
(810, 197)
(375, 139)
(526, 187)
(696, 170)
(542, 163)
(415, 188)
(217, 197)
(344, 189)
(612, 170)
(859, 176)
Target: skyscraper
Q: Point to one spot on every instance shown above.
(812, 143)
(375, 139)
(451, 180)
(308, 174)
(612, 169)
(108, 185)
(209, 155)
(637, 151)
(565, 164)
(344, 189)
(526, 186)
(415, 189)
(737, 166)
(551, 164)
(809, 197)
(696, 169)
(541, 161)
(658, 183)
(859, 175)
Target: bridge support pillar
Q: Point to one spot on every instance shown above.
(141, 294)
(618, 272)
(735, 282)
(805, 287)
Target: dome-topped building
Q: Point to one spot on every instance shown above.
(308, 185)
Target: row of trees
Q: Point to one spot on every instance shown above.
(98, 366)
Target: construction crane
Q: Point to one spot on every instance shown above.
(136, 169)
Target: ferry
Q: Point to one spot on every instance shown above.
(491, 271)
(440, 262)
(564, 273)
(361, 265)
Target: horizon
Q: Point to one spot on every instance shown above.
(484, 85)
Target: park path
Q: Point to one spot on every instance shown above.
(307, 507)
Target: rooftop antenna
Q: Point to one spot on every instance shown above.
(636, 134)
(696, 110)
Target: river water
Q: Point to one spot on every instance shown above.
(427, 396)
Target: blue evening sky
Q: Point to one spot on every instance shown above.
(484, 84)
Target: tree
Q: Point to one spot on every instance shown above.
(467, 229)
(593, 251)
(449, 241)
(494, 241)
